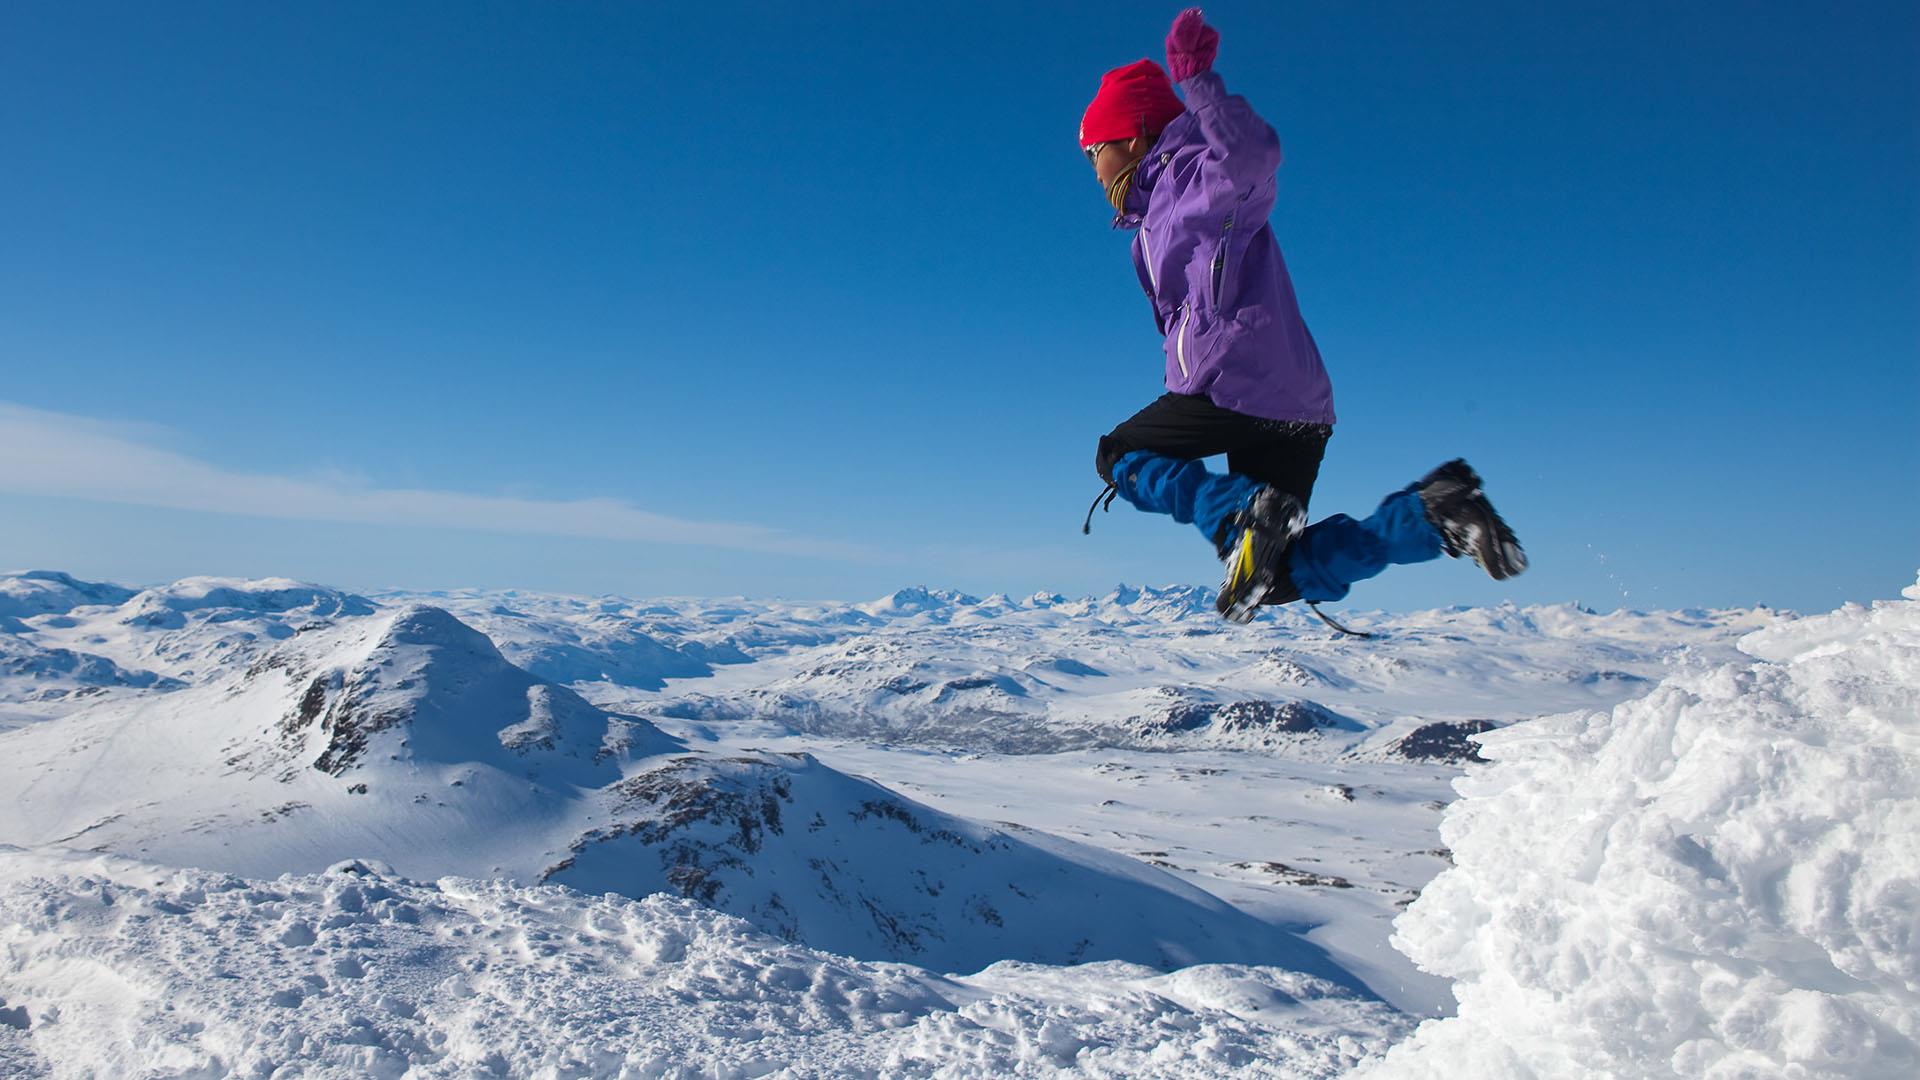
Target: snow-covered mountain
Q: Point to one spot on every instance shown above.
(404, 735)
(1164, 845)
(67, 644)
(1145, 668)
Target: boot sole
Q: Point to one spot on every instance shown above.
(1243, 610)
(1494, 546)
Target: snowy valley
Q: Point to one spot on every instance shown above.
(264, 828)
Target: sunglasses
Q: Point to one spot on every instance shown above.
(1093, 152)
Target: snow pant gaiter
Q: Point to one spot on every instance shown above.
(1332, 554)
(1183, 488)
(1152, 459)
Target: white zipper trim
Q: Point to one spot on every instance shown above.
(1180, 342)
(1146, 256)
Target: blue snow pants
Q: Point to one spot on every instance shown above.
(1165, 476)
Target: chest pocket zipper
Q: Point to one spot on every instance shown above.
(1180, 341)
(1220, 264)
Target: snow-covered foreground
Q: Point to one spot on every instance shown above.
(1721, 879)
(127, 969)
(604, 837)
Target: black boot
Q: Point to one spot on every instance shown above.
(1254, 548)
(1467, 522)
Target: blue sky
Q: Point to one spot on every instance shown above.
(820, 300)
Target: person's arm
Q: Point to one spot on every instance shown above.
(1243, 153)
(1240, 145)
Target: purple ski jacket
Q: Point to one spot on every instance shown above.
(1208, 260)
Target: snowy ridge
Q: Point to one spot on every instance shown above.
(814, 855)
(110, 637)
(170, 606)
(28, 593)
(1718, 879)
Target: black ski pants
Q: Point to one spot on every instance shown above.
(1284, 453)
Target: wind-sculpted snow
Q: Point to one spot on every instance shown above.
(126, 969)
(1720, 879)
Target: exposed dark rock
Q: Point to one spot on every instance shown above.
(1444, 740)
(893, 811)
(1292, 716)
(348, 726)
(1596, 678)
(1288, 875)
(684, 793)
(1064, 665)
(1188, 715)
(660, 807)
(1241, 718)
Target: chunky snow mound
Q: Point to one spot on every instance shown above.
(1721, 879)
(116, 968)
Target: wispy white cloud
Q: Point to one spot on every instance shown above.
(50, 453)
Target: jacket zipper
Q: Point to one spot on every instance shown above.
(1180, 341)
(1146, 255)
(1220, 263)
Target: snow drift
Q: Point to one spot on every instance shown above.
(1720, 879)
(115, 968)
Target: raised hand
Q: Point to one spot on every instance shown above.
(1191, 45)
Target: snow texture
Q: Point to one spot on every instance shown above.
(1720, 879)
(271, 829)
(134, 970)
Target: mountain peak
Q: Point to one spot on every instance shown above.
(427, 625)
(916, 599)
(431, 690)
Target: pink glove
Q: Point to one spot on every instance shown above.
(1191, 45)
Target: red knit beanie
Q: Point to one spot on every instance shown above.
(1133, 100)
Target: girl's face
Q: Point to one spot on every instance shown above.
(1109, 158)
